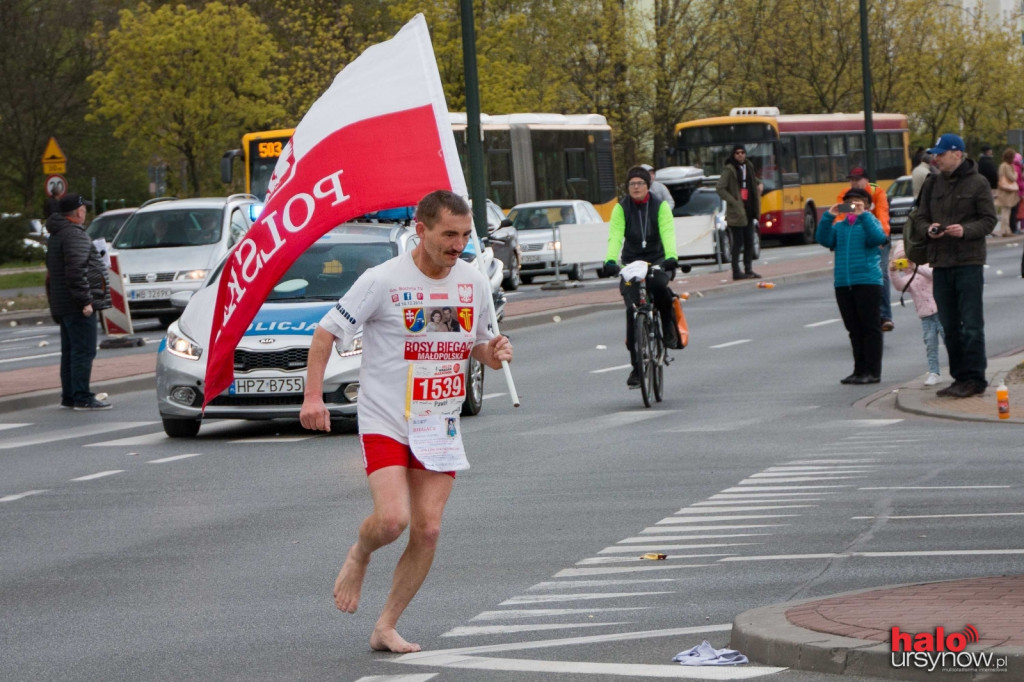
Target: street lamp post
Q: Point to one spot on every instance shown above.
(865, 59)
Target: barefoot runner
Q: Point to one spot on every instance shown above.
(411, 392)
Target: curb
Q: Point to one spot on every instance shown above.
(766, 636)
(45, 397)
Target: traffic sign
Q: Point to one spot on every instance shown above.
(54, 161)
(56, 183)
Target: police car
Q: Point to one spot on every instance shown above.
(270, 360)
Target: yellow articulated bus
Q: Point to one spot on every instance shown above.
(801, 159)
(527, 157)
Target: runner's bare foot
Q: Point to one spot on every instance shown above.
(388, 639)
(349, 584)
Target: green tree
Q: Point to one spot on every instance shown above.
(181, 84)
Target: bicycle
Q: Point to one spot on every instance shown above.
(648, 339)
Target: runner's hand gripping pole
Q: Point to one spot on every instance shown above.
(493, 317)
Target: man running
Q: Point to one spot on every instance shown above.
(411, 391)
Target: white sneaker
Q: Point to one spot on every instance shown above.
(932, 379)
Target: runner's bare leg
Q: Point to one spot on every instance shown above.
(428, 491)
(390, 490)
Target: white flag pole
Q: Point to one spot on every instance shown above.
(494, 320)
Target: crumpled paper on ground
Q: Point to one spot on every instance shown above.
(705, 654)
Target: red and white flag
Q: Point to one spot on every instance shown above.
(379, 138)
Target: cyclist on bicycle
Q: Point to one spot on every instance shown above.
(641, 228)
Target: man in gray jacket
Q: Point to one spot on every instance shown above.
(76, 285)
(957, 212)
(738, 186)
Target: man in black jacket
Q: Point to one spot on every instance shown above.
(76, 285)
(987, 167)
(957, 213)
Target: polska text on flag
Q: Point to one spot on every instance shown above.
(379, 138)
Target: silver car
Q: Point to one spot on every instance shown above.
(901, 200)
(171, 245)
(535, 221)
(270, 360)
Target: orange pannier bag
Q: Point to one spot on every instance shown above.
(681, 327)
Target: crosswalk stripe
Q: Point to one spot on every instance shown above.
(18, 496)
(471, 630)
(580, 596)
(69, 433)
(175, 458)
(101, 474)
(512, 614)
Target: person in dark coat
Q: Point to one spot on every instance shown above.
(739, 188)
(987, 167)
(76, 286)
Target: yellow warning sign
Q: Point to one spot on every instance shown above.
(54, 161)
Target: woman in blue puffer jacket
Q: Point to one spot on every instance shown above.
(855, 237)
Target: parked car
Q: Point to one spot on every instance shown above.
(170, 245)
(535, 222)
(704, 201)
(695, 196)
(901, 199)
(106, 225)
(504, 241)
(270, 360)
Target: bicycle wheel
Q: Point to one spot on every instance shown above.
(658, 364)
(644, 354)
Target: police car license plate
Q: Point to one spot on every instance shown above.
(145, 294)
(250, 386)
(532, 258)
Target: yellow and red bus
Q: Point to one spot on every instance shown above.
(527, 157)
(801, 159)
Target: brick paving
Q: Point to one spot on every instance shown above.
(993, 605)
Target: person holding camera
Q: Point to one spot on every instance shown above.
(641, 228)
(917, 280)
(956, 211)
(857, 276)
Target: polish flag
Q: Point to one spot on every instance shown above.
(379, 138)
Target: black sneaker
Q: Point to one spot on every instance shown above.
(66, 404)
(633, 381)
(947, 392)
(850, 379)
(93, 405)
(866, 379)
(752, 275)
(966, 389)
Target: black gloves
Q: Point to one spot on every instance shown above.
(670, 265)
(611, 268)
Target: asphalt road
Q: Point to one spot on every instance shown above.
(129, 556)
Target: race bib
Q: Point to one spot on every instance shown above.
(436, 441)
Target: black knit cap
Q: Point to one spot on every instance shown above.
(638, 172)
(857, 193)
(70, 202)
(738, 148)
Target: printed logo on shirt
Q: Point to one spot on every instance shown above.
(465, 318)
(414, 320)
(344, 313)
(465, 293)
(419, 295)
(394, 298)
(407, 296)
(442, 351)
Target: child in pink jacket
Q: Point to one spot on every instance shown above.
(919, 286)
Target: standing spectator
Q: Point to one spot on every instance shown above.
(739, 188)
(1006, 196)
(987, 167)
(1018, 165)
(880, 209)
(956, 211)
(76, 285)
(917, 279)
(858, 279)
(409, 441)
(920, 173)
(658, 189)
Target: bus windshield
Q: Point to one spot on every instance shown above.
(712, 158)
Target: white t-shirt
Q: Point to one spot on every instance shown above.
(406, 369)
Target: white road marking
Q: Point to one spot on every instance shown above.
(759, 486)
(612, 570)
(795, 479)
(746, 495)
(822, 323)
(18, 496)
(156, 438)
(729, 510)
(817, 475)
(870, 422)
(101, 474)
(833, 461)
(616, 368)
(614, 420)
(398, 678)
(526, 599)
(684, 538)
(937, 487)
(537, 613)
(876, 555)
(488, 396)
(73, 432)
(939, 516)
(697, 519)
(471, 630)
(688, 529)
(32, 357)
(562, 584)
(4, 427)
(270, 439)
(731, 343)
(819, 469)
(653, 547)
(677, 672)
(175, 458)
(26, 338)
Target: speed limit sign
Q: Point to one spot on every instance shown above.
(56, 184)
